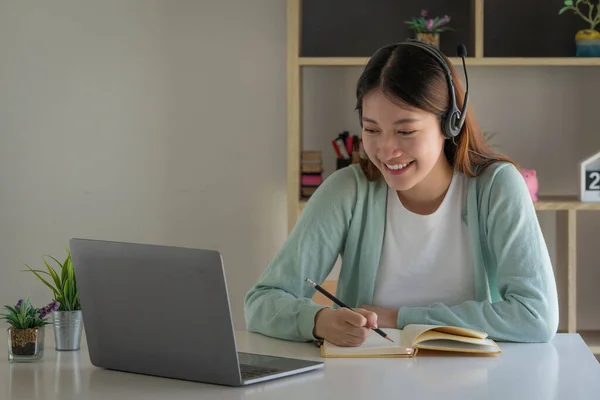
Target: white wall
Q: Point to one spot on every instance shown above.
(545, 118)
(154, 121)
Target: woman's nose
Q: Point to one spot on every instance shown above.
(390, 147)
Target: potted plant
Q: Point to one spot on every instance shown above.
(26, 331)
(428, 29)
(587, 41)
(67, 320)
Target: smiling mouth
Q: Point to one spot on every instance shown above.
(398, 167)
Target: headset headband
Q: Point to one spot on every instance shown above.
(453, 118)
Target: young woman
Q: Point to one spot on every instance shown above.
(432, 226)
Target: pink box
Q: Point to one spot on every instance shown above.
(311, 180)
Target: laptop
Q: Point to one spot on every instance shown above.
(164, 311)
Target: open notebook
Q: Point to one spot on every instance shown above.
(413, 337)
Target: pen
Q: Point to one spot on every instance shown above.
(339, 303)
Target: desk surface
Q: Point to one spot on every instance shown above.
(562, 369)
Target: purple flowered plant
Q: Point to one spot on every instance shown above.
(425, 24)
(23, 315)
(50, 308)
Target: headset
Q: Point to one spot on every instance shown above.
(453, 118)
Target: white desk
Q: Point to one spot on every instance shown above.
(563, 369)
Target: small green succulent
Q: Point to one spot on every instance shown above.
(24, 315)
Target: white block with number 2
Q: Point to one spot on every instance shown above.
(590, 179)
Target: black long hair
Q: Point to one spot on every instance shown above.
(409, 76)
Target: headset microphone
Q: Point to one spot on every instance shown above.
(453, 118)
(462, 53)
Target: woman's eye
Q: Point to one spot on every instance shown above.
(373, 131)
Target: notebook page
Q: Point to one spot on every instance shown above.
(374, 344)
(487, 346)
(374, 341)
(413, 330)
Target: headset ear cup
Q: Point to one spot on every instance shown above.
(448, 123)
(452, 129)
(454, 121)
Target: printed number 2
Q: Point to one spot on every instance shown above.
(593, 180)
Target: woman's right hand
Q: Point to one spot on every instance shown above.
(345, 327)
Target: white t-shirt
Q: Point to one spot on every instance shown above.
(426, 259)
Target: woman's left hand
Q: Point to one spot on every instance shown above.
(386, 318)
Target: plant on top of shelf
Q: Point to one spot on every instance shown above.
(587, 41)
(428, 29)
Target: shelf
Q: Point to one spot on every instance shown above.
(526, 35)
(592, 339)
(348, 61)
(470, 61)
(544, 203)
(535, 61)
(564, 203)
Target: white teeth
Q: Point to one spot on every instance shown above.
(397, 166)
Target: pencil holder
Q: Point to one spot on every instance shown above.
(342, 163)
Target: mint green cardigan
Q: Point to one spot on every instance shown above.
(515, 289)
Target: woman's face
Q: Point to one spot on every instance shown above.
(405, 144)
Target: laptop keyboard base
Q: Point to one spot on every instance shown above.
(254, 371)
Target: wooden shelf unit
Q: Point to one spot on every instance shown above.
(556, 53)
(470, 61)
(544, 203)
(479, 31)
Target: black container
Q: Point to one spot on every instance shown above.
(342, 162)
